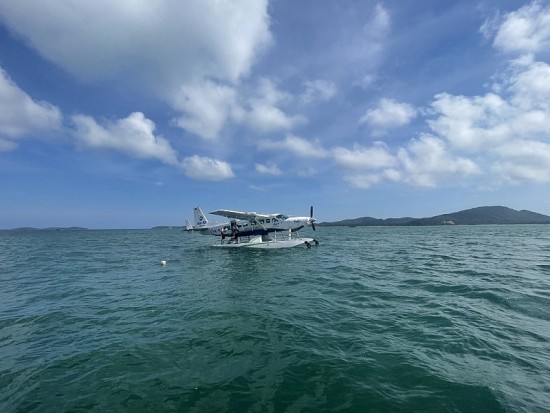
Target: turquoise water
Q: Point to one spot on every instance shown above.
(423, 319)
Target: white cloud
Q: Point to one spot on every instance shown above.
(192, 54)
(510, 128)
(208, 106)
(510, 132)
(356, 51)
(427, 160)
(318, 89)
(257, 188)
(20, 115)
(133, 136)
(6, 146)
(471, 122)
(298, 146)
(381, 21)
(205, 108)
(373, 36)
(424, 162)
(307, 172)
(388, 114)
(262, 111)
(369, 45)
(360, 158)
(264, 118)
(165, 43)
(268, 169)
(363, 181)
(529, 84)
(367, 81)
(524, 161)
(207, 169)
(269, 94)
(507, 131)
(526, 30)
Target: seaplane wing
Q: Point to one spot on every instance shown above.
(247, 216)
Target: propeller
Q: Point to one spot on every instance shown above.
(311, 219)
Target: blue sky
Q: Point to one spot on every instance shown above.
(127, 114)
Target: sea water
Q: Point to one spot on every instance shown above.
(401, 319)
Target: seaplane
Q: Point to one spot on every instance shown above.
(254, 230)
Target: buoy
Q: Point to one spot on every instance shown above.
(163, 263)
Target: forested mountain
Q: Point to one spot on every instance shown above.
(474, 216)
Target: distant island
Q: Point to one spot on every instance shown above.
(169, 227)
(49, 229)
(485, 215)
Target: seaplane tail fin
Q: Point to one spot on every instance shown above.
(200, 218)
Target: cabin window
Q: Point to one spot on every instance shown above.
(239, 225)
(267, 221)
(275, 220)
(261, 221)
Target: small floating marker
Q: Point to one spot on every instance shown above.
(163, 263)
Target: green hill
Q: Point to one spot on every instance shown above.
(475, 216)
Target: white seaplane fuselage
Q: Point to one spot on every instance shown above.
(253, 230)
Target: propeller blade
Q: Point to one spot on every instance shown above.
(311, 219)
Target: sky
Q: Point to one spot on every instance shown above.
(128, 114)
